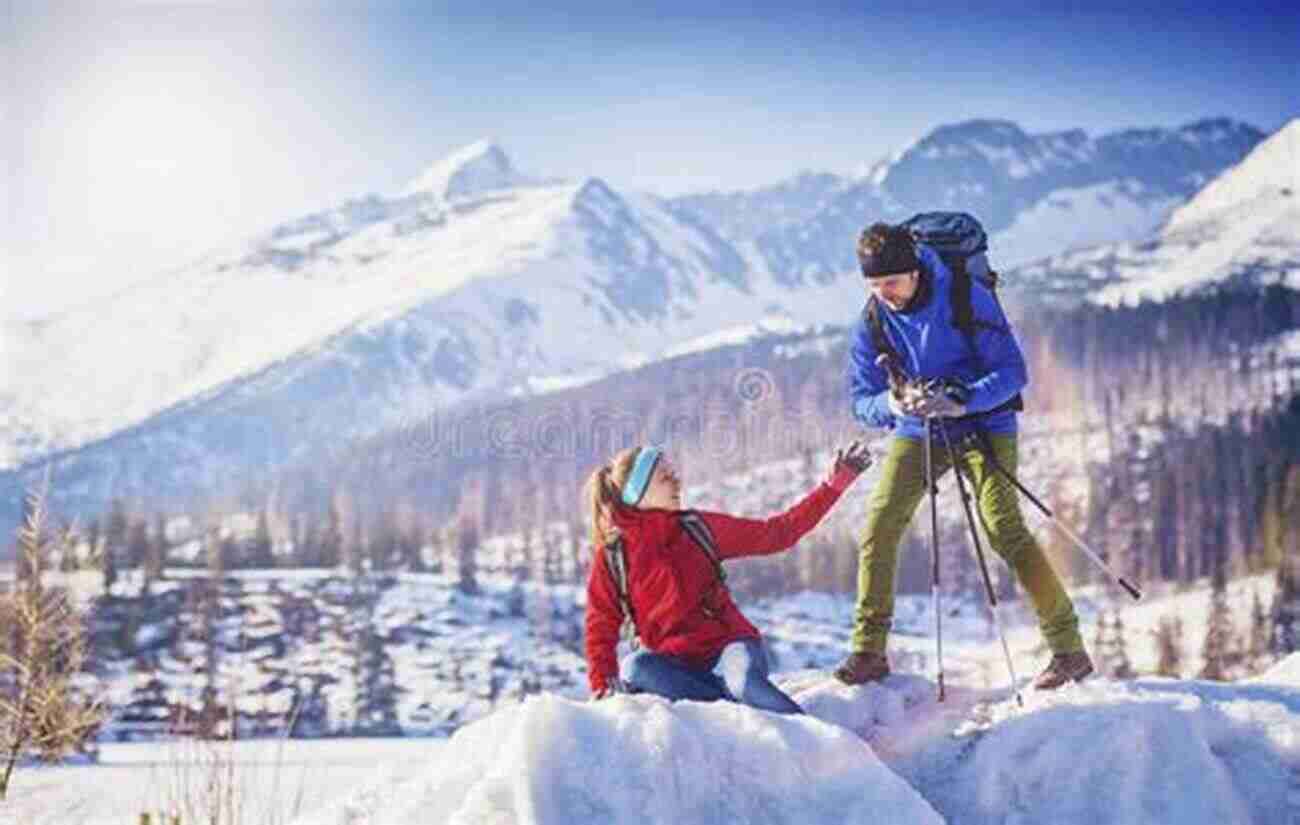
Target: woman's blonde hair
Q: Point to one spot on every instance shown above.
(602, 492)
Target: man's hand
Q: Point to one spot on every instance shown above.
(850, 461)
(939, 405)
(896, 405)
(908, 399)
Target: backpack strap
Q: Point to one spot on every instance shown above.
(698, 530)
(963, 318)
(959, 296)
(876, 329)
(616, 561)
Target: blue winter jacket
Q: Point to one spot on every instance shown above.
(929, 346)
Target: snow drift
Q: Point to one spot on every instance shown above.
(640, 759)
(1146, 751)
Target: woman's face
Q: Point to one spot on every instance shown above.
(665, 489)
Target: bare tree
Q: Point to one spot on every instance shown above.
(41, 711)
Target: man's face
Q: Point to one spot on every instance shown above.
(895, 290)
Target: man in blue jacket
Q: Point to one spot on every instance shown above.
(911, 285)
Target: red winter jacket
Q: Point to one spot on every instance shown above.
(680, 607)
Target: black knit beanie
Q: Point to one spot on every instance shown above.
(886, 250)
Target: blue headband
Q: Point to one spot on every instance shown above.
(639, 478)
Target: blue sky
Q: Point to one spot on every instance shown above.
(141, 134)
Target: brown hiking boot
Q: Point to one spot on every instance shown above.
(1064, 667)
(860, 668)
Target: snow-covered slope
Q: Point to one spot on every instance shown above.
(1244, 227)
(1151, 751)
(470, 283)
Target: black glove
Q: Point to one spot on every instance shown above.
(850, 461)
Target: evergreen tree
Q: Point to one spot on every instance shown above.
(94, 545)
(1110, 649)
(156, 559)
(376, 700)
(114, 551)
(137, 547)
(302, 545)
(329, 543)
(42, 650)
(107, 558)
(1257, 650)
(260, 553)
(1217, 652)
(1121, 666)
(466, 556)
(1169, 647)
(356, 551)
(1285, 614)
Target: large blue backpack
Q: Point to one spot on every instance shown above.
(962, 244)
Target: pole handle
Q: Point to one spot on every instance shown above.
(1132, 591)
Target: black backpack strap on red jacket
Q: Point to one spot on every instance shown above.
(696, 527)
(616, 561)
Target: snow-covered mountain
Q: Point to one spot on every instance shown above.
(1034, 193)
(1244, 227)
(742, 216)
(477, 281)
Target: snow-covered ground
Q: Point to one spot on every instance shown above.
(1144, 751)
(1148, 750)
(270, 781)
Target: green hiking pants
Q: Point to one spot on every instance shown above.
(890, 509)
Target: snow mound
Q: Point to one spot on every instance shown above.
(1146, 751)
(640, 759)
(1099, 753)
(1285, 672)
(868, 710)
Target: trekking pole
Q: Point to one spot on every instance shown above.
(934, 555)
(898, 382)
(979, 555)
(986, 446)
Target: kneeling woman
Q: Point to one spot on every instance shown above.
(696, 644)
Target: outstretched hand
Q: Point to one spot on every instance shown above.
(854, 455)
(850, 461)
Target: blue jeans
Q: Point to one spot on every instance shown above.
(738, 674)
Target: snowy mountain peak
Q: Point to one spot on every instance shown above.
(1216, 129)
(479, 167)
(1271, 168)
(976, 128)
(955, 136)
